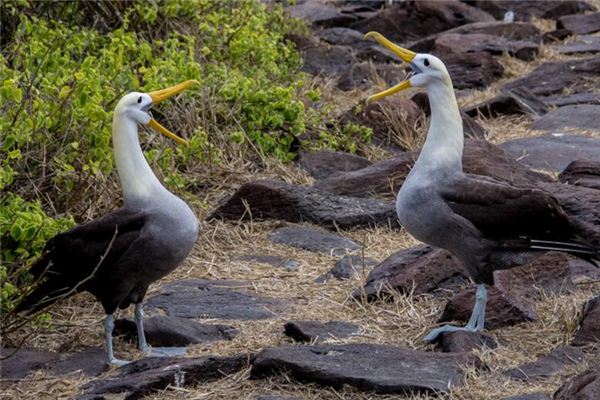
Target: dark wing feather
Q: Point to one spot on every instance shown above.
(71, 257)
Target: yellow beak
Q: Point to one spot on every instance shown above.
(160, 95)
(404, 54)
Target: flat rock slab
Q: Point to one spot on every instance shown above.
(580, 116)
(576, 98)
(148, 375)
(199, 298)
(319, 13)
(509, 102)
(368, 367)
(275, 397)
(88, 362)
(275, 261)
(585, 386)
(267, 199)
(313, 240)
(317, 331)
(580, 23)
(583, 44)
(447, 43)
(461, 341)
(589, 328)
(421, 269)
(324, 59)
(548, 365)
(169, 331)
(347, 267)
(529, 396)
(24, 361)
(525, 10)
(582, 173)
(553, 152)
(323, 163)
(552, 78)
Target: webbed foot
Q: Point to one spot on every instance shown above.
(433, 334)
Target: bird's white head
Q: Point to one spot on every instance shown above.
(426, 69)
(136, 106)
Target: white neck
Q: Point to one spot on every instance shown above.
(442, 151)
(137, 179)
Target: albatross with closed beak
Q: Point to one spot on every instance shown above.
(487, 224)
(117, 256)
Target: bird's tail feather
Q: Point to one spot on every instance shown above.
(581, 250)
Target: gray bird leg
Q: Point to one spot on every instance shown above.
(143, 345)
(109, 325)
(476, 321)
(139, 323)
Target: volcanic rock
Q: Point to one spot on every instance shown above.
(323, 163)
(553, 152)
(585, 386)
(368, 367)
(583, 116)
(163, 330)
(525, 10)
(421, 269)
(278, 200)
(548, 365)
(347, 267)
(313, 240)
(580, 24)
(509, 102)
(589, 328)
(88, 362)
(275, 261)
(148, 375)
(529, 396)
(199, 298)
(577, 98)
(448, 43)
(319, 13)
(323, 59)
(472, 70)
(364, 75)
(582, 173)
(24, 361)
(462, 341)
(316, 331)
(583, 44)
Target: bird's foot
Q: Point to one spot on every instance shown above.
(165, 351)
(433, 335)
(117, 362)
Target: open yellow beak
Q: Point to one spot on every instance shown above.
(160, 95)
(404, 54)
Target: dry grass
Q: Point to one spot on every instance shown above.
(402, 322)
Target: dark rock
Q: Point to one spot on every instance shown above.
(384, 117)
(421, 269)
(319, 13)
(313, 240)
(589, 328)
(510, 301)
(348, 267)
(199, 298)
(323, 59)
(580, 24)
(170, 331)
(548, 365)
(583, 44)
(553, 152)
(448, 43)
(410, 21)
(582, 173)
(525, 10)
(364, 50)
(279, 200)
(148, 375)
(385, 177)
(24, 361)
(275, 261)
(472, 70)
(556, 35)
(368, 367)
(89, 362)
(582, 271)
(585, 386)
(583, 116)
(509, 102)
(364, 74)
(323, 163)
(553, 77)
(529, 396)
(508, 30)
(461, 341)
(274, 397)
(577, 98)
(309, 331)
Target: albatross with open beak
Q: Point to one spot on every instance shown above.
(117, 256)
(487, 224)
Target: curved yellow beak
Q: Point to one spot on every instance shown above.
(404, 54)
(160, 95)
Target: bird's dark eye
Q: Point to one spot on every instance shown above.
(426, 62)
(140, 100)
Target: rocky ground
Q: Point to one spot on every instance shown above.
(302, 284)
